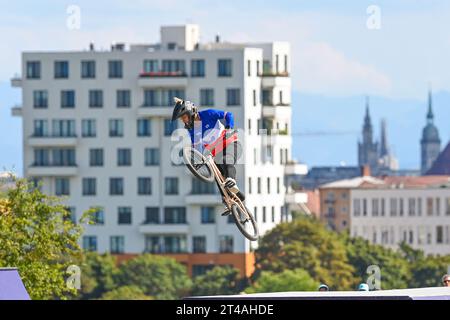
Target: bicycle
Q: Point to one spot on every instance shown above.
(204, 168)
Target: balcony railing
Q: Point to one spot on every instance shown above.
(275, 74)
(162, 74)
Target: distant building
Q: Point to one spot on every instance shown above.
(415, 210)
(368, 148)
(6, 181)
(320, 175)
(430, 142)
(442, 164)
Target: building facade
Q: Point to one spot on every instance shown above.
(415, 210)
(97, 130)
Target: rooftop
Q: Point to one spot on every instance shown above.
(352, 183)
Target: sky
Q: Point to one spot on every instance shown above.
(337, 59)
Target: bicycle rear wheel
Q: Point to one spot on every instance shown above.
(245, 221)
(197, 164)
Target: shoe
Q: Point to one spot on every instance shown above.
(230, 183)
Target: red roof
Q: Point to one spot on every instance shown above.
(411, 182)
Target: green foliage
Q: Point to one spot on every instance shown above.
(37, 237)
(306, 244)
(288, 280)
(99, 275)
(219, 280)
(126, 293)
(156, 276)
(394, 268)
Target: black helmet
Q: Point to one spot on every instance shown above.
(184, 107)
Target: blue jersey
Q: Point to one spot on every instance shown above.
(211, 125)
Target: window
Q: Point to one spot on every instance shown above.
(90, 243)
(96, 157)
(268, 185)
(258, 185)
(208, 215)
(206, 97)
(33, 70)
(171, 186)
(402, 207)
(169, 127)
(364, 207)
(152, 215)
(249, 185)
(95, 98)
(115, 69)
(439, 235)
(277, 60)
(40, 99)
(249, 68)
(116, 128)
(224, 67)
(278, 185)
(151, 157)
(264, 214)
(411, 206)
(88, 69)
(40, 128)
(430, 206)
(150, 98)
(41, 157)
(63, 128)
(356, 207)
(61, 69)
(254, 98)
(258, 71)
(419, 206)
(98, 216)
(116, 186)
(267, 67)
(447, 206)
(438, 206)
(175, 215)
(63, 157)
(151, 66)
(123, 98)
(175, 244)
(88, 128)
(89, 187)
(117, 244)
(375, 209)
(233, 97)
(255, 213)
(393, 207)
(144, 128)
(201, 187)
(123, 157)
(197, 68)
(226, 244)
(199, 244)
(144, 185)
(124, 215)
(153, 244)
(62, 186)
(175, 66)
(167, 96)
(273, 214)
(285, 63)
(383, 207)
(67, 99)
(267, 97)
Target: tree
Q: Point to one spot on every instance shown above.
(157, 276)
(306, 244)
(99, 275)
(425, 271)
(125, 293)
(37, 237)
(394, 270)
(218, 281)
(288, 280)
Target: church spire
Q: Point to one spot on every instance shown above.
(430, 115)
(367, 121)
(384, 148)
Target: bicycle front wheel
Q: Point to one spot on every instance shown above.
(197, 164)
(245, 221)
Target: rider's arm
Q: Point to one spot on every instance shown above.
(224, 116)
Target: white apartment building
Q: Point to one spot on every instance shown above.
(96, 128)
(415, 210)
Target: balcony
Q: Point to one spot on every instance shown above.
(52, 171)
(276, 138)
(203, 199)
(16, 82)
(279, 111)
(276, 80)
(296, 197)
(293, 168)
(164, 228)
(163, 79)
(52, 141)
(16, 111)
(154, 111)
